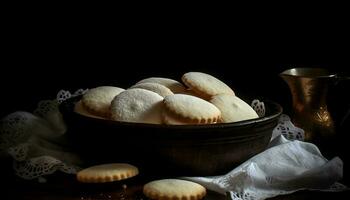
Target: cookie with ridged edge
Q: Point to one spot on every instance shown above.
(205, 85)
(171, 120)
(107, 173)
(137, 105)
(233, 109)
(190, 109)
(154, 87)
(98, 100)
(173, 85)
(169, 189)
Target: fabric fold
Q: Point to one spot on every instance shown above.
(285, 167)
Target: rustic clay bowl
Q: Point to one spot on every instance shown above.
(170, 149)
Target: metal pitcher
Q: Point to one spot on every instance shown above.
(309, 87)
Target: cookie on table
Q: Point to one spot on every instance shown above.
(168, 189)
(155, 87)
(205, 85)
(188, 109)
(137, 105)
(173, 85)
(107, 173)
(233, 109)
(98, 100)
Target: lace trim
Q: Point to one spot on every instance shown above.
(26, 138)
(63, 95)
(40, 166)
(286, 128)
(259, 107)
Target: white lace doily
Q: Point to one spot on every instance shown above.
(32, 139)
(286, 128)
(259, 107)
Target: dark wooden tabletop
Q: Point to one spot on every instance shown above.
(61, 186)
(66, 188)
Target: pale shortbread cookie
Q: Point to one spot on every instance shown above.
(173, 85)
(98, 100)
(155, 87)
(233, 109)
(191, 109)
(170, 120)
(137, 105)
(205, 85)
(79, 108)
(193, 93)
(107, 173)
(169, 189)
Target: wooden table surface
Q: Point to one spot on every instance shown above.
(61, 186)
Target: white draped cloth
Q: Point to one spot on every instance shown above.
(285, 167)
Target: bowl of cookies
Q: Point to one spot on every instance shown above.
(197, 127)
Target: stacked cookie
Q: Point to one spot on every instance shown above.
(203, 99)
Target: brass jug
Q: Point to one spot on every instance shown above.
(309, 87)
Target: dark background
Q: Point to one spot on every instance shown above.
(44, 51)
(41, 55)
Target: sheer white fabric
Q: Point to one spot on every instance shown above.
(285, 167)
(35, 142)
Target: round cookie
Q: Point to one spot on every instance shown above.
(98, 100)
(205, 85)
(155, 87)
(193, 93)
(107, 173)
(79, 108)
(137, 105)
(233, 109)
(168, 189)
(190, 110)
(170, 120)
(173, 85)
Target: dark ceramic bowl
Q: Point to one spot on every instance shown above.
(174, 149)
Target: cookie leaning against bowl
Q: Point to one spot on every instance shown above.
(205, 85)
(173, 85)
(107, 173)
(154, 87)
(168, 189)
(98, 100)
(233, 109)
(137, 105)
(186, 109)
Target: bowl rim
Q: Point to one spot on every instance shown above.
(67, 108)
